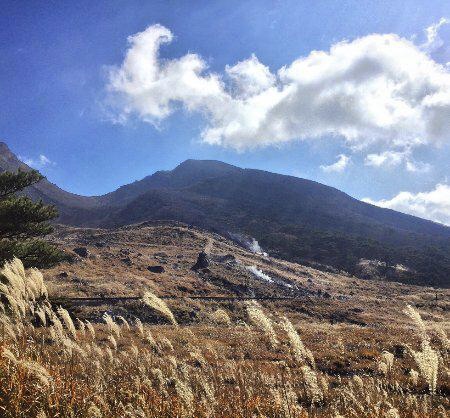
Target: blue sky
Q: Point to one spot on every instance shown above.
(62, 93)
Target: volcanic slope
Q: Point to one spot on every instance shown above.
(117, 266)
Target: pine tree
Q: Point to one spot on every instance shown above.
(23, 221)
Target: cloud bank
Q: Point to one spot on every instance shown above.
(433, 205)
(379, 91)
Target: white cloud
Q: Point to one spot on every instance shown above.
(250, 77)
(395, 158)
(433, 205)
(417, 166)
(381, 91)
(40, 162)
(43, 160)
(391, 158)
(151, 87)
(339, 166)
(434, 41)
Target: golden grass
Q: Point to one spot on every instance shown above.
(53, 366)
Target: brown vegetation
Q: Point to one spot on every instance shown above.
(329, 345)
(50, 366)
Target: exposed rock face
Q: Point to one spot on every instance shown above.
(375, 269)
(370, 269)
(81, 251)
(202, 261)
(156, 269)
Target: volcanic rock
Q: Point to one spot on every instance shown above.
(156, 269)
(82, 252)
(202, 261)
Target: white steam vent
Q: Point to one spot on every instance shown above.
(248, 242)
(260, 274)
(254, 247)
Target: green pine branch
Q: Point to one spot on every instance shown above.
(11, 183)
(23, 221)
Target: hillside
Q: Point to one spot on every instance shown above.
(295, 219)
(232, 337)
(118, 265)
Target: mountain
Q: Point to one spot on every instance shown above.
(292, 218)
(299, 220)
(186, 174)
(71, 206)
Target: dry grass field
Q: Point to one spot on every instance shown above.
(246, 336)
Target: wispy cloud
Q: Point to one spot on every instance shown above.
(391, 159)
(379, 92)
(339, 166)
(433, 205)
(40, 162)
(434, 41)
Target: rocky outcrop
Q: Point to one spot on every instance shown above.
(203, 262)
(81, 251)
(156, 269)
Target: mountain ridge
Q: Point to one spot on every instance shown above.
(45, 190)
(293, 218)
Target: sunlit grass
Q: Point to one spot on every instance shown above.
(52, 365)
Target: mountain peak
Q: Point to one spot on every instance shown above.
(204, 168)
(5, 151)
(8, 160)
(206, 164)
(4, 147)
